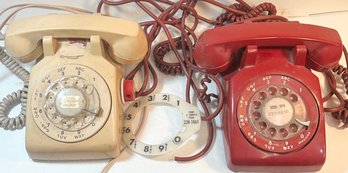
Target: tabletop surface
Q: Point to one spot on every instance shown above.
(14, 158)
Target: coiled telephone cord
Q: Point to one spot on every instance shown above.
(340, 112)
(231, 17)
(15, 98)
(160, 51)
(246, 13)
(343, 72)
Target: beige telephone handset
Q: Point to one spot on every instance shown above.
(74, 100)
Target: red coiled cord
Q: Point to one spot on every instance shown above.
(250, 13)
(339, 112)
(340, 70)
(159, 52)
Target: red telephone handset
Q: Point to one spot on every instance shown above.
(273, 118)
(213, 51)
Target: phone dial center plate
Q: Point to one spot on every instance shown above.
(277, 113)
(67, 105)
(70, 102)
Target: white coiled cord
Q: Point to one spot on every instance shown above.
(15, 98)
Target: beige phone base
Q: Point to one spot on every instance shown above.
(74, 107)
(74, 102)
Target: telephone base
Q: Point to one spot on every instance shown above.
(74, 108)
(274, 121)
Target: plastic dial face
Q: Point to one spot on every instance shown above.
(70, 103)
(191, 121)
(277, 113)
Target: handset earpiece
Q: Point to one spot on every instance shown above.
(125, 54)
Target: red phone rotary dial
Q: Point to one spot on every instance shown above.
(277, 113)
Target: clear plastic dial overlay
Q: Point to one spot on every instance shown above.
(191, 121)
(66, 103)
(277, 113)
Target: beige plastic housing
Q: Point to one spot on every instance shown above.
(126, 39)
(128, 44)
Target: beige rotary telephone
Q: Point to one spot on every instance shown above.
(74, 96)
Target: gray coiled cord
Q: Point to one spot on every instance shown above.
(15, 98)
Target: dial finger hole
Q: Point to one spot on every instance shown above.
(263, 125)
(51, 109)
(284, 132)
(65, 125)
(78, 124)
(56, 119)
(257, 115)
(293, 98)
(65, 83)
(272, 90)
(256, 104)
(262, 95)
(89, 89)
(50, 96)
(293, 128)
(272, 131)
(284, 91)
(79, 83)
(56, 87)
(88, 118)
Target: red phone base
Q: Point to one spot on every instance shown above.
(269, 148)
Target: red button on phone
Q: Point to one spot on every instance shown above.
(128, 90)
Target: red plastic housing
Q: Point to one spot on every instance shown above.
(241, 154)
(247, 53)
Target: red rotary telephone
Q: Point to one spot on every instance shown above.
(274, 117)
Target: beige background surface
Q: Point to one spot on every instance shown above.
(13, 156)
